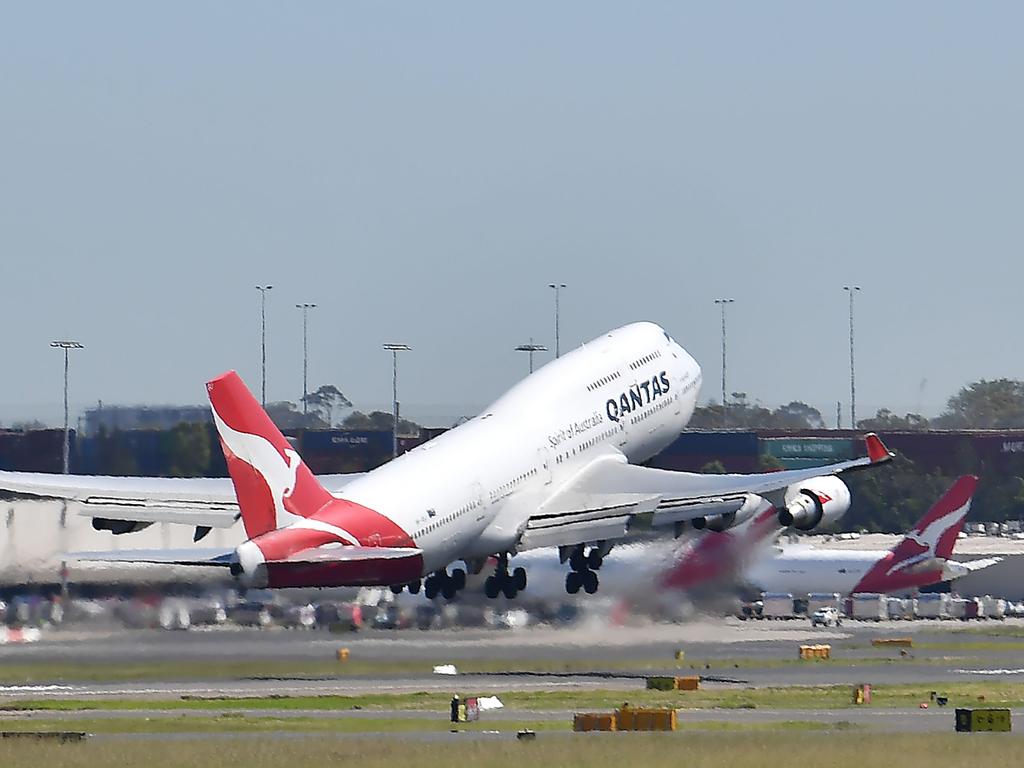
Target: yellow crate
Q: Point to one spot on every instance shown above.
(630, 719)
(688, 683)
(591, 721)
(893, 642)
(815, 652)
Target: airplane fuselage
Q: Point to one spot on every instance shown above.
(631, 391)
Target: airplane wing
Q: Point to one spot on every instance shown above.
(207, 502)
(977, 565)
(611, 499)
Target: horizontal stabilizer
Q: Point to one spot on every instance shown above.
(218, 557)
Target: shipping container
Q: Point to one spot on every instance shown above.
(993, 607)
(869, 606)
(818, 600)
(777, 605)
(932, 605)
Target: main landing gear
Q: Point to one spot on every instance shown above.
(503, 582)
(439, 583)
(583, 574)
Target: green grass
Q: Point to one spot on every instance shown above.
(995, 693)
(240, 723)
(692, 749)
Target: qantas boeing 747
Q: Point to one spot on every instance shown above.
(551, 463)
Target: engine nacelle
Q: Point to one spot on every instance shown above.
(117, 527)
(814, 502)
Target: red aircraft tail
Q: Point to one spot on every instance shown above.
(272, 483)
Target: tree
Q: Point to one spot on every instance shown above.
(187, 449)
(325, 400)
(886, 420)
(985, 405)
(797, 415)
(378, 421)
(286, 415)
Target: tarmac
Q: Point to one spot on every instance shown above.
(725, 652)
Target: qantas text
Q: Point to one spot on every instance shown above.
(637, 396)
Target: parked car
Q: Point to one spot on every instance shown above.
(826, 617)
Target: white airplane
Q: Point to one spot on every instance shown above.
(921, 558)
(552, 463)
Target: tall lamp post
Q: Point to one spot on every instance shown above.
(305, 355)
(558, 341)
(263, 341)
(852, 289)
(394, 349)
(725, 410)
(531, 348)
(67, 346)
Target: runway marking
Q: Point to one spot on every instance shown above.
(991, 671)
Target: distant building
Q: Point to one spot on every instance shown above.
(133, 417)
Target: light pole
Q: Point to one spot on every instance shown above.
(66, 346)
(722, 303)
(305, 355)
(558, 289)
(852, 289)
(394, 349)
(263, 341)
(531, 348)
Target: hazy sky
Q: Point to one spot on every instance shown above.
(423, 170)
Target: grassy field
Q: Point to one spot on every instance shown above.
(695, 750)
(992, 693)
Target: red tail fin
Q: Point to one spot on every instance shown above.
(937, 531)
(272, 483)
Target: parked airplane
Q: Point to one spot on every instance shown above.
(552, 463)
(921, 558)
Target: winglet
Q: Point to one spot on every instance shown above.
(877, 451)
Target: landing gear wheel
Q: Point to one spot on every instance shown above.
(509, 589)
(448, 590)
(519, 579)
(431, 587)
(414, 587)
(594, 560)
(459, 579)
(492, 587)
(396, 589)
(589, 582)
(573, 582)
(577, 561)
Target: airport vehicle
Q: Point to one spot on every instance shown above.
(921, 558)
(565, 476)
(826, 617)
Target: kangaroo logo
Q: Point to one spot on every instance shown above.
(279, 472)
(927, 538)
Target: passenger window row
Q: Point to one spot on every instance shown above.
(645, 359)
(603, 380)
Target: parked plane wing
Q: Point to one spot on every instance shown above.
(199, 501)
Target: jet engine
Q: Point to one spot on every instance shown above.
(118, 527)
(815, 502)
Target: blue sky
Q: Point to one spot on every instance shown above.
(422, 171)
